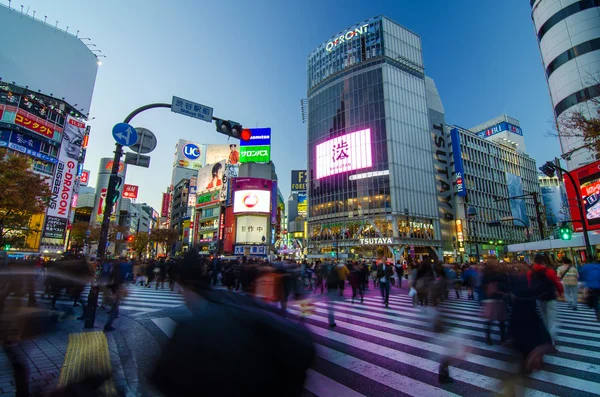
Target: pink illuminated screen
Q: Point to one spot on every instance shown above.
(345, 153)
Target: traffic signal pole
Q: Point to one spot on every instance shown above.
(92, 301)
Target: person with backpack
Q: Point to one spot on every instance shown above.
(333, 283)
(547, 288)
(385, 271)
(569, 276)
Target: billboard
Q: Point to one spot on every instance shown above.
(302, 203)
(588, 179)
(166, 203)
(251, 229)
(85, 177)
(189, 155)
(459, 171)
(517, 206)
(28, 145)
(299, 180)
(130, 191)
(260, 137)
(229, 152)
(229, 231)
(255, 154)
(68, 69)
(252, 183)
(65, 174)
(208, 198)
(498, 128)
(345, 153)
(210, 177)
(555, 203)
(252, 201)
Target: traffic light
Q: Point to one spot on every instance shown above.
(332, 253)
(394, 251)
(565, 232)
(233, 129)
(6, 247)
(118, 183)
(130, 239)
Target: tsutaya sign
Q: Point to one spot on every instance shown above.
(349, 35)
(376, 241)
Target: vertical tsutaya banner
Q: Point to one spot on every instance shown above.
(64, 178)
(517, 206)
(459, 172)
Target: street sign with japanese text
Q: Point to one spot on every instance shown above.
(191, 109)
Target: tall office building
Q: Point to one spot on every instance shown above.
(568, 34)
(372, 188)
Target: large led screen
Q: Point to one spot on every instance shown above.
(345, 153)
(252, 201)
(588, 179)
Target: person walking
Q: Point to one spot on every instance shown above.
(423, 282)
(494, 287)
(547, 287)
(355, 280)
(343, 272)
(115, 284)
(333, 283)
(569, 276)
(590, 275)
(385, 271)
(399, 272)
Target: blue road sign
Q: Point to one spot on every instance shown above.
(124, 134)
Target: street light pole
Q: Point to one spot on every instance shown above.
(472, 215)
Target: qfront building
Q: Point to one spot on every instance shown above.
(372, 189)
(568, 34)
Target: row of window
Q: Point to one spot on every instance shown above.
(572, 53)
(564, 14)
(577, 97)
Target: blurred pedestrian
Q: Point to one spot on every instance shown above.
(399, 272)
(333, 283)
(343, 272)
(385, 271)
(115, 286)
(424, 279)
(569, 276)
(494, 288)
(590, 275)
(547, 288)
(355, 280)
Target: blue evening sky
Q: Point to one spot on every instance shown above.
(247, 59)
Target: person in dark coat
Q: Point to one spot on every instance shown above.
(494, 287)
(423, 282)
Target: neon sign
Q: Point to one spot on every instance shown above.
(349, 35)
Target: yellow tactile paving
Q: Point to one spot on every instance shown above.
(87, 354)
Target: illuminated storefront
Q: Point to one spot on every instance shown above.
(371, 182)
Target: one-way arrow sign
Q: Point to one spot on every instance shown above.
(124, 134)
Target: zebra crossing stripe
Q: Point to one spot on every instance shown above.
(544, 376)
(401, 383)
(323, 386)
(393, 315)
(566, 363)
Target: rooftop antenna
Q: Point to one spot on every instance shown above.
(56, 26)
(77, 35)
(21, 8)
(34, 14)
(27, 12)
(9, 4)
(45, 17)
(67, 31)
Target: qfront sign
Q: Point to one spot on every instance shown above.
(376, 241)
(349, 35)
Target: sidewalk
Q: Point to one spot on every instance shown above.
(45, 356)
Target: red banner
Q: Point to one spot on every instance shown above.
(587, 179)
(34, 124)
(130, 191)
(229, 231)
(85, 177)
(166, 203)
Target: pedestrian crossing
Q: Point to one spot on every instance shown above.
(139, 300)
(375, 350)
(379, 351)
